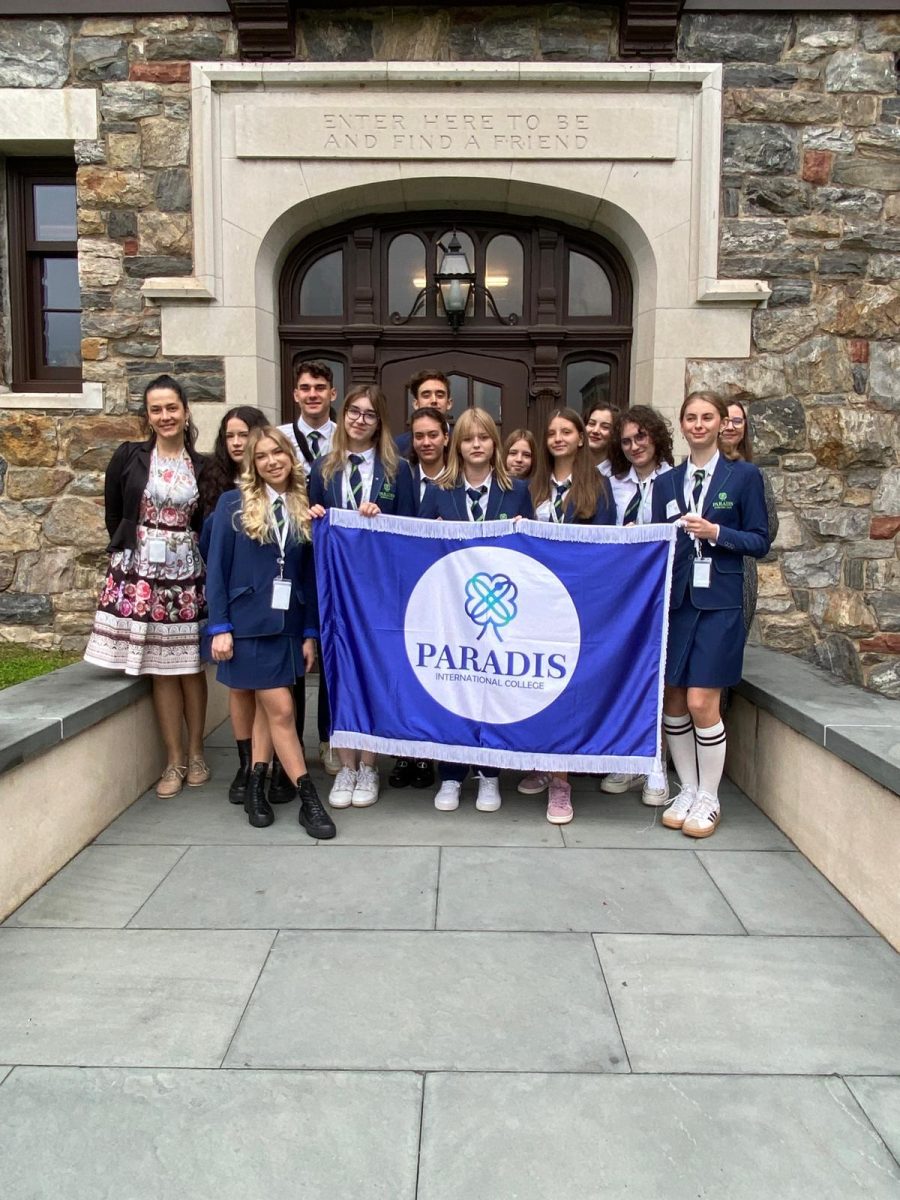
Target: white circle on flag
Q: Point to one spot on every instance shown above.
(492, 635)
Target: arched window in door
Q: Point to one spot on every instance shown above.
(558, 332)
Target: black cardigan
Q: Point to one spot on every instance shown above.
(126, 480)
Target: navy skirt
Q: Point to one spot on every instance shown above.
(706, 647)
(263, 662)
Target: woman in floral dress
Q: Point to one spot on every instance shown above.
(147, 621)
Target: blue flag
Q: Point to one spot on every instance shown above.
(507, 644)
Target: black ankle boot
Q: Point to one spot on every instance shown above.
(256, 806)
(281, 790)
(238, 790)
(313, 817)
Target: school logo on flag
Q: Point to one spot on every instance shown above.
(508, 644)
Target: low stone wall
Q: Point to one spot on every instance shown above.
(823, 761)
(69, 767)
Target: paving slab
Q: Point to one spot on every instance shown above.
(530, 1137)
(430, 1001)
(102, 888)
(782, 893)
(209, 1135)
(755, 1004)
(621, 891)
(4, 1071)
(622, 821)
(124, 997)
(879, 1099)
(297, 887)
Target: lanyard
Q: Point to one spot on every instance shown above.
(694, 507)
(178, 472)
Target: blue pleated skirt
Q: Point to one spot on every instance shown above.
(706, 647)
(263, 662)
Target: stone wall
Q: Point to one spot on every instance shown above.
(810, 203)
(811, 173)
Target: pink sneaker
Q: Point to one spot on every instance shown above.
(559, 804)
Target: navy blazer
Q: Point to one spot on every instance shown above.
(415, 473)
(239, 575)
(604, 513)
(393, 496)
(450, 503)
(736, 502)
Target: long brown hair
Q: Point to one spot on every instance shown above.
(652, 423)
(385, 450)
(744, 448)
(468, 422)
(588, 485)
(521, 435)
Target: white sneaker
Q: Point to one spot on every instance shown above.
(676, 814)
(329, 759)
(617, 783)
(488, 798)
(655, 797)
(703, 818)
(367, 785)
(446, 798)
(342, 789)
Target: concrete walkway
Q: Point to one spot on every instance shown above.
(457, 1006)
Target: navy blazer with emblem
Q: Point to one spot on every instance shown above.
(393, 496)
(736, 502)
(239, 575)
(450, 503)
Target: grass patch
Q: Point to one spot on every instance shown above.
(18, 663)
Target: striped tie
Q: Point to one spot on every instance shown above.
(278, 513)
(634, 507)
(558, 503)
(699, 476)
(315, 441)
(475, 495)
(356, 485)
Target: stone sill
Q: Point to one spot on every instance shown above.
(89, 398)
(856, 726)
(39, 714)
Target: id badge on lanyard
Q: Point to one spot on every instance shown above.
(281, 587)
(701, 576)
(156, 550)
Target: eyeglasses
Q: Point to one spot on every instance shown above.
(734, 422)
(365, 416)
(638, 440)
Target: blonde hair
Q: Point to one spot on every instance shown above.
(256, 511)
(385, 450)
(471, 420)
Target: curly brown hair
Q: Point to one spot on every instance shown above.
(650, 422)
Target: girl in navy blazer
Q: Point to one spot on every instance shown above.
(720, 509)
(361, 472)
(475, 487)
(263, 613)
(566, 488)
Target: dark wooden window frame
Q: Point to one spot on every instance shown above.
(29, 372)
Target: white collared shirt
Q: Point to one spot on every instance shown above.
(623, 489)
(484, 499)
(366, 471)
(325, 432)
(544, 511)
(605, 468)
(708, 469)
(424, 481)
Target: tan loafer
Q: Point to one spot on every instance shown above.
(329, 758)
(171, 782)
(198, 773)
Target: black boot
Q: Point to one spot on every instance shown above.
(423, 773)
(402, 773)
(313, 817)
(281, 790)
(256, 806)
(238, 790)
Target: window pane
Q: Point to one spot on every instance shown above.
(459, 392)
(487, 396)
(586, 384)
(62, 339)
(59, 282)
(406, 273)
(322, 290)
(503, 273)
(589, 291)
(468, 248)
(54, 212)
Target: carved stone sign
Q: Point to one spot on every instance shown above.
(416, 130)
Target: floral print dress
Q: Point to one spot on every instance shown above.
(148, 618)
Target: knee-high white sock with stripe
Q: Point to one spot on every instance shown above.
(710, 757)
(679, 732)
